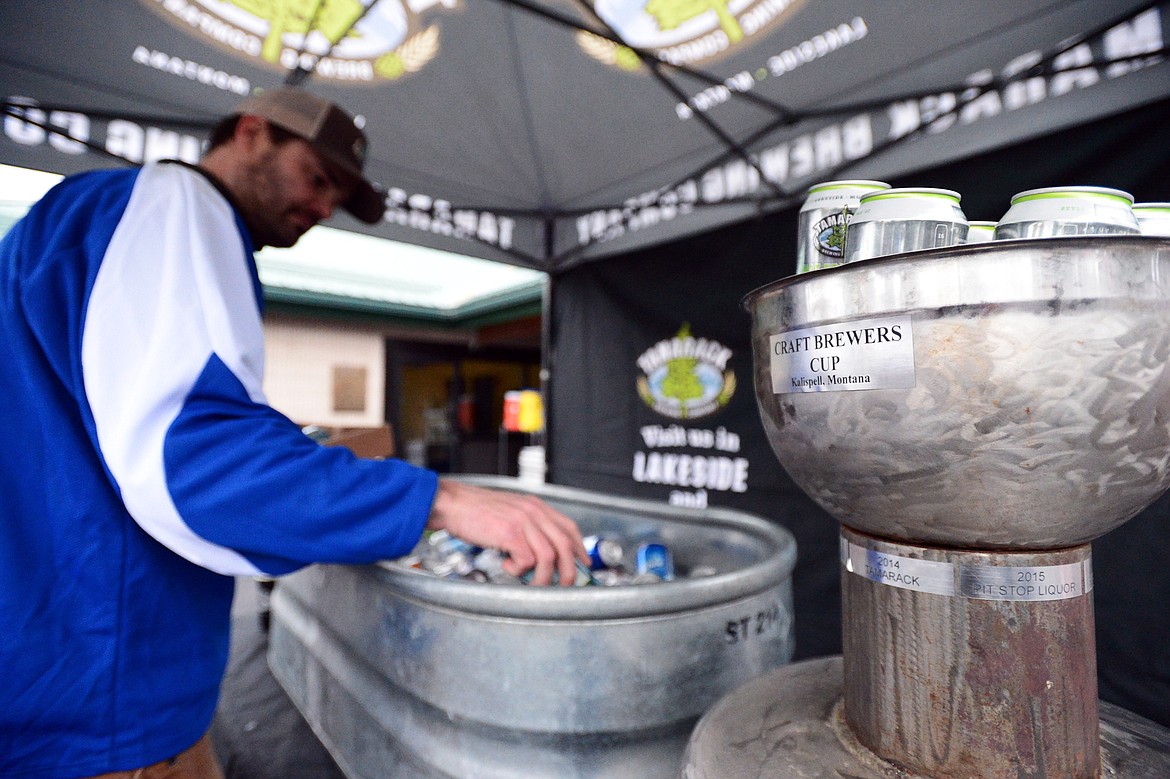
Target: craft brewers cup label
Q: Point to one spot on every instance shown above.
(858, 355)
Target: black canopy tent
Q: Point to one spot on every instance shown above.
(650, 156)
(550, 132)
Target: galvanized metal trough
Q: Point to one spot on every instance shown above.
(405, 674)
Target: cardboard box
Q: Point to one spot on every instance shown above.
(372, 443)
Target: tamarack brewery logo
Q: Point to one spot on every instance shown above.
(830, 233)
(351, 41)
(686, 377)
(680, 32)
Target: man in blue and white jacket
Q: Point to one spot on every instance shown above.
(144, 469)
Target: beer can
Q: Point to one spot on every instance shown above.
(656, 559)
(1061, 211)
(903, 220)
(1153, 218)
(820, 233)
(603, 551)
(980, 232)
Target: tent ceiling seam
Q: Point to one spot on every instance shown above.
(652, 63)
(298, 75)
(608, 34)
(547, 217)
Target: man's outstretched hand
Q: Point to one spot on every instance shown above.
(535, 536)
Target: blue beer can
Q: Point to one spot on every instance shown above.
(655, 558)
(604, 551)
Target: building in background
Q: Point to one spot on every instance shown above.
(362, 332)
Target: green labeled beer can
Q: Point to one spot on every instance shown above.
(820, 240)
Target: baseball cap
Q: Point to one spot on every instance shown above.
(331, 132)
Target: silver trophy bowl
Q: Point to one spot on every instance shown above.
(1034, 412)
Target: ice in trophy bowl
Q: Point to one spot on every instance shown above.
(1024, 405)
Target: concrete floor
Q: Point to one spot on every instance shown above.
(257, 732)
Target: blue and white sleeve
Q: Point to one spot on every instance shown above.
(172, 363)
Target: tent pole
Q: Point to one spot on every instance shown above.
(545, 365)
